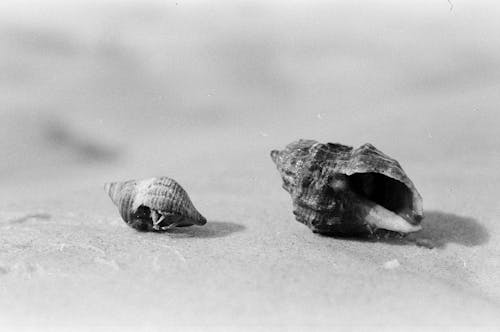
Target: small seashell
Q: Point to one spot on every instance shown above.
(392, 264)
(154, 204)
(338, 190)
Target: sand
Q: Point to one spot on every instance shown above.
(90, 107)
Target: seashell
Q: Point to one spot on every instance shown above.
(341, 191)
(154, 204)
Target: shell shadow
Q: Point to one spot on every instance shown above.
(212, 229)
(438, 229)
(443, 228)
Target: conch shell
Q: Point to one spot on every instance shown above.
(341, 191)
(154, 204)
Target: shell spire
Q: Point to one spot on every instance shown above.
(339, 190)
(155, 204)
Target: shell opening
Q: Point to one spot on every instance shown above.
(141, 219)
(385, 191)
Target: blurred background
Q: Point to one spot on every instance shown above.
(139, 87)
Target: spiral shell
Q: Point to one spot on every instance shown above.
(154, 204)
(338, 190)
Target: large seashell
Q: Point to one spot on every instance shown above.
(154, 204)
(338, 190)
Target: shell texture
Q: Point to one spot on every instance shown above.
(341, 191)
(154, 204)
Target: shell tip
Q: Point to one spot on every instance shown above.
(202, 221)
(108, 188)
(274, 155)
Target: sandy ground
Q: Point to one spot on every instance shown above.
(133, 95)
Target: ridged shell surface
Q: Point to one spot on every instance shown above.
(136, 199)
(334, 187)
